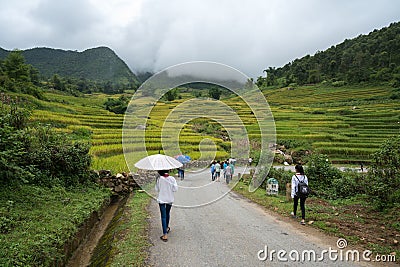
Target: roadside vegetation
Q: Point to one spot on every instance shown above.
(362, 207)
(47, 190)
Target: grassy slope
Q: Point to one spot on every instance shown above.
(35, 222)
(131, 245)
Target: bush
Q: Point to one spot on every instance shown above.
(338, 83)
(322, 174)
(395, 96)
(12, 140)
(347, 186)
(281, 175)
(384, 175)
(39, 155)
(11, 152)
(57, 159)
(118, 106)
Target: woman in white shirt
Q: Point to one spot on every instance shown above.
(299, 176)
(165, 186)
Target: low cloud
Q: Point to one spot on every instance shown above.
(150, 35)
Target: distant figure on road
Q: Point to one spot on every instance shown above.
(181, 172)
(296, 178)
(165, 186)
(228, 174)
(361, 167)
(217, 171)
(250, 161)
(224, 165)
(212, 170)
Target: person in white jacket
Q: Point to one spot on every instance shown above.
(166, 186)
(299, 176)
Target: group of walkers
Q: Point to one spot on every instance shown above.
(166, 186)
(227, 168)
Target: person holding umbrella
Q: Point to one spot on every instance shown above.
(182, 159)
(166, 186)
(181, 172)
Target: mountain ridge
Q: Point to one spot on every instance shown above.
(367, 58)
(100, 64)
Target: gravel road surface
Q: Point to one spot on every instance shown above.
(211, 226)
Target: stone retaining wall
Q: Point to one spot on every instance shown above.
(124, 183)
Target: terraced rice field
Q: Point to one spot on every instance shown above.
(347, 124)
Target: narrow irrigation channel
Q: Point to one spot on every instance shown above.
(96, 249)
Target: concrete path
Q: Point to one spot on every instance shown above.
(232, 231)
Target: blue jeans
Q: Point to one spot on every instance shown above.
(165, 210)
(181, 174)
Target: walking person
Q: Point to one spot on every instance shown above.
(181, 172)
(224, 165)
(165, 186)
(212, 170)
(298, 177)
(217, 171)
(232, 169)
(228, 174)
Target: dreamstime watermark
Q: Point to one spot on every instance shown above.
(330, 254)
(147, 125)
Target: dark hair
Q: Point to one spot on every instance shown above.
(299, 169)
(162, 172)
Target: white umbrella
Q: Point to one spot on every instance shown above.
(158, 162)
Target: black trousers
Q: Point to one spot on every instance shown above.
(302, 206)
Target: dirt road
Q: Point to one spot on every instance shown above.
(233, 231)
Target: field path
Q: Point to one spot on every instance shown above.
(228, 232)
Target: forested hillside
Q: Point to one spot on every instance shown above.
(372, 58)
(97, 65)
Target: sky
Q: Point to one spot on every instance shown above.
(150, 35)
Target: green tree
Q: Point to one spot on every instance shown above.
(314, 76)
(171, 95)
(214, 92)
(271, 76)
(16, 76)
(15, 67)
(58, 84)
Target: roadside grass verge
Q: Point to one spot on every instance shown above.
(352, 219)
(36, 222)
(131, 246)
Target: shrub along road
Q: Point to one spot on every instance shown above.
(231, 231)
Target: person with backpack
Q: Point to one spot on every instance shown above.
(212, 170)
(300, 192)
